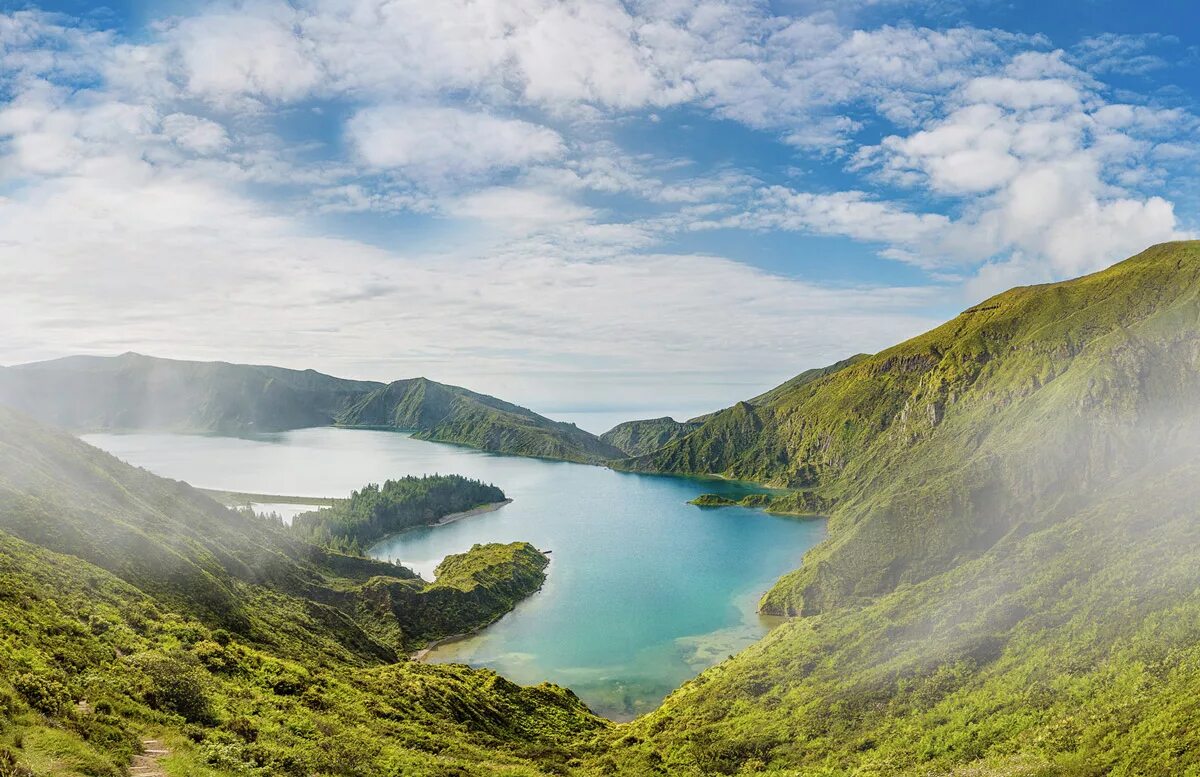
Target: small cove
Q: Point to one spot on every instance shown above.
(643, 590)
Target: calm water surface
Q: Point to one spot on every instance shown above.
(643, 590)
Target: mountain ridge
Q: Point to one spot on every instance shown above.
(133, 392)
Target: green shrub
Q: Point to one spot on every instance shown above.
(44, 691)
(178, 684)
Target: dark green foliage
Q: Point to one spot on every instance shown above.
(44, 691)
(435, 411)
(377, 511)
(713, 500)
(803, 503)
(176, 683)
(9, 767)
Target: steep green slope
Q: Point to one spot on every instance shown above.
(1072, 647)
(435, 411)
(637, 438)
(90, 666)
(1009, 585)
(924, 450)
(132, 391)
(249, 576)
(804, 378)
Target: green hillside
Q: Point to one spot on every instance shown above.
(1008, 586)
(131, 391)
(635, 438)
(435, 411)
(133, 605)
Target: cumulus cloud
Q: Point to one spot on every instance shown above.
(434, 142)
(506, 128)
(89, 265)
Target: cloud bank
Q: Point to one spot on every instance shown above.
(518, 194)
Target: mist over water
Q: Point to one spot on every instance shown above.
(643, 590)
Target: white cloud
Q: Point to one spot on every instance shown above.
(90, 265)
(520, 208)
(433, 143)
(130, 164)
(195, 133)
(1120, 53)
(256, 51)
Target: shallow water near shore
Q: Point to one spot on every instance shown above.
(643, 590)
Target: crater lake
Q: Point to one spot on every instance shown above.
(643, 591)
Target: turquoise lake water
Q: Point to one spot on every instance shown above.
(643, 590)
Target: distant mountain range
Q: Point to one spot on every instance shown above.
(135, 392)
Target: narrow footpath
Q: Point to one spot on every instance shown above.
(147, 765)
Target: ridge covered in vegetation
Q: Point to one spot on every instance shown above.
(375, 511)
(635, 438)
(134, 392)
(1008, 583)
(441, 413)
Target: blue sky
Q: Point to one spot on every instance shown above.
(584, 205)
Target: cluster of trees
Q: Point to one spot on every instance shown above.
(375, 511)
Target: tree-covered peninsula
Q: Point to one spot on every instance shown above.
(375, 511)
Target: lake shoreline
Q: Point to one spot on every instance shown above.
(616, 537)
(480, 510)
(490, 507)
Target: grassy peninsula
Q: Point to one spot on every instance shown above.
(375, 511)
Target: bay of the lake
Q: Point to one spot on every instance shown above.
(643, 590)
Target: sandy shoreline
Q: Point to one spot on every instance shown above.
(420, 654)
(487, 508)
